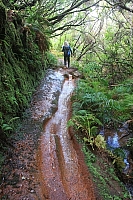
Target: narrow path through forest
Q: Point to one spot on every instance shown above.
(60, 166)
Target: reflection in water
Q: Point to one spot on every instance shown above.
(126, 161)
(115, 140)
(112, 140)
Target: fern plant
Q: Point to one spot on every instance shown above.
(100, 142)
(110, 106)
(117, 159)
(87, 123)
(8, 127)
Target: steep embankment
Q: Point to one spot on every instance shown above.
(21, 65)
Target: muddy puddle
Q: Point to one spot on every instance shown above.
(62, 173)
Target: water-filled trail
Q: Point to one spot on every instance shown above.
(63, 173)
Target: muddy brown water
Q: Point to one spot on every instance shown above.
(63, 174)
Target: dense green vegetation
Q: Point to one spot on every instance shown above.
(24, 57)
(104, 175)
(112, 105)
(97, 105)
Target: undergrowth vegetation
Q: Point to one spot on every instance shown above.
(104, 176)
(112, 105)
(98, 105)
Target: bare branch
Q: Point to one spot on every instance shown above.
(71, 10)
(121, 5)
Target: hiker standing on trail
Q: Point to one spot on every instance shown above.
(67, 53)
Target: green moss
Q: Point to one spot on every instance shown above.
(22, 67)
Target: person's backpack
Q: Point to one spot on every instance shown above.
(67, 51)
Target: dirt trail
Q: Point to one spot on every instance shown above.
(56, 170)
(60, 166)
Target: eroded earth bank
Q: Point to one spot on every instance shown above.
(45, 162)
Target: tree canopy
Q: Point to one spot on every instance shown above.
(62, 15)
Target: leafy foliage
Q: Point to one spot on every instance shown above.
(104, 175)
(130, 142)
(110, 105)
(117, 156)
(100, 142)
(8, 127)
(23, 61)
(86, 122)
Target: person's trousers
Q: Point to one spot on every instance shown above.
(67, 60)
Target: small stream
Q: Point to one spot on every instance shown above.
(117, 140)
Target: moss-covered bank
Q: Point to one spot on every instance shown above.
(22, 64)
